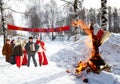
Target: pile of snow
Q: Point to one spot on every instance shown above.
(71, 53)
(110, 52)
(78, 50)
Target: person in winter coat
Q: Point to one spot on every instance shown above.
(18, 53)
(7, 50)
(24, 62)
(31, 49)
(41, 52)
(13, 44)
(12, 58)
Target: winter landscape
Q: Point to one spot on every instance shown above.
(62, 56)
(63, 50)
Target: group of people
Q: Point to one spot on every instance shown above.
(20, 52)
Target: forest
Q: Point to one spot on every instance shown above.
(49, 15)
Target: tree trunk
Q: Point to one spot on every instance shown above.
(104, 14)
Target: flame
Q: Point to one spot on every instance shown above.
(76, 23)
(83, 65)
(89, 32)
(88, 43)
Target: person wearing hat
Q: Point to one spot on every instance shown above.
(31, 49)
(7, 50)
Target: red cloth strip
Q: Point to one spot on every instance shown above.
(59, 29)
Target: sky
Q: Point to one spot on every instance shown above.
(97, 3)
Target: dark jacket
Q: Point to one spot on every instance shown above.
(18, 50)
(13, 47)
(12, 57)
(28, 49)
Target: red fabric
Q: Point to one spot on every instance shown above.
(41, 43)
(42, 55)
(24, 62)
(100, 33)
(18, 61)
(59, 29)
(45, 61)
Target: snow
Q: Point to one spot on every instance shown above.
(62, 56)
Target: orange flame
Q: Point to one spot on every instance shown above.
(82, 65)
(82, 25)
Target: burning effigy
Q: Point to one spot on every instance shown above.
(94, 63)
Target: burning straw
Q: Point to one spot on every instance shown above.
(94, 61)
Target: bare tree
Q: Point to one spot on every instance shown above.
(10, 20)
(104, 18)
(77, 6)
(33, 18)
(110, 19)
(98, 17)
(51, 9)
(116, 20)
(4, 7)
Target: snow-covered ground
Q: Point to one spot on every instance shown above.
(62, 56)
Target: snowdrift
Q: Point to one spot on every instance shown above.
(110, 52)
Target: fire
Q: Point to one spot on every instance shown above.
(94, 61)
(80, 23)
(88, 43)
(81, 66)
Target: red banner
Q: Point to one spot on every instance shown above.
(59, 29)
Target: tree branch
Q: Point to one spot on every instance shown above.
(67, 2)
(14, 10)
(6, 2)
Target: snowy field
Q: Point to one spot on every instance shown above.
(62, 56)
